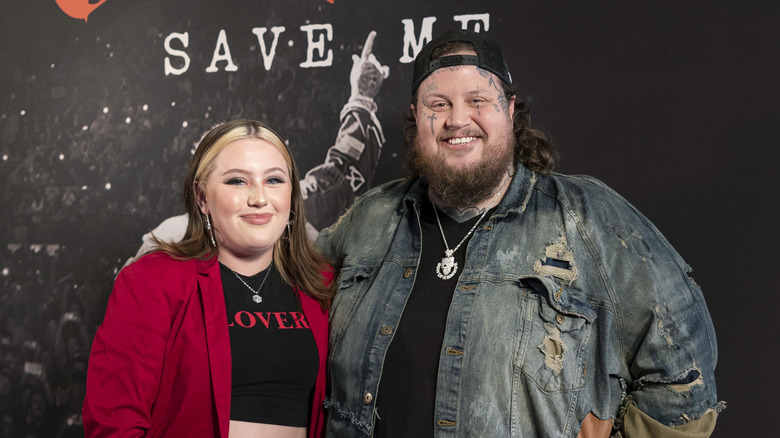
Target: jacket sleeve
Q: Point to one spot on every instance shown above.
(665, 331)
(126, 358)
(670, 350)
(329, 188)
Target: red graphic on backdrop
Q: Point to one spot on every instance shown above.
(79, 8)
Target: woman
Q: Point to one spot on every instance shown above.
(223, 333)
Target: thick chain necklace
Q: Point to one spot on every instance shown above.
(256, 298)
(448, 267)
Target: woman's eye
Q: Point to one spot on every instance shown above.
(275, 180)
(234, 181)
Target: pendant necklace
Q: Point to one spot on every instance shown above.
(256, 298)
(448, 267)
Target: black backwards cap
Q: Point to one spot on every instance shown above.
(489, 56)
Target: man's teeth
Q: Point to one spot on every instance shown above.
(461, 140)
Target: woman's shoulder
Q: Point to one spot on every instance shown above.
(165, 279)
(163, 266)
(158, 259)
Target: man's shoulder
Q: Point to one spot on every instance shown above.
(581, 191)
(392, 189)
(372, 215)
(595, 204)
(580, 183)
(384, 196)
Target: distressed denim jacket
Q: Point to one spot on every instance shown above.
(570, 302)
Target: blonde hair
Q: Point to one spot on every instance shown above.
(295, 256)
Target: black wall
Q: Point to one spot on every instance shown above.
(673, 104)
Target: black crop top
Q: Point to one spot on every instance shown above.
(274, 355)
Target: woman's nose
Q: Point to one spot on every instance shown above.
(257, 196)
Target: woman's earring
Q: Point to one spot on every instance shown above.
(211, 232)
(289, 221)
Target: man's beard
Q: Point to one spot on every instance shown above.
(469, 186)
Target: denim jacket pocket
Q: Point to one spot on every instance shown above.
(556, 345)
(354, 281)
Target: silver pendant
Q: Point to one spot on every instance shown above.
(447, 268)
(257, 299)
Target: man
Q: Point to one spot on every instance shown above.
(488, 297)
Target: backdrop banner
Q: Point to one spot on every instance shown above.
(102, 104)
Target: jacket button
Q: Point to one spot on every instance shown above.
(408, 272)
(560, 318)
(368, 397)
(386, 330)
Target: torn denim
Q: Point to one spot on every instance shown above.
(570, 302)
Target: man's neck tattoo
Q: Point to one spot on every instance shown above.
(461, 215)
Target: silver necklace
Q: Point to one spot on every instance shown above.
(256, 298)
(448, 267)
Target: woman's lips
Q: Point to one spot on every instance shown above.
(257, 219)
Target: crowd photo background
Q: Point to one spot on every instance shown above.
(672, 104)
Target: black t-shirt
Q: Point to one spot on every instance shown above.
(274, 354)
(407, 390)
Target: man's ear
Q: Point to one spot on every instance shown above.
(200, 197)
(414, 110)
(511, 108)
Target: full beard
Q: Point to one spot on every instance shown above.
(465, 187)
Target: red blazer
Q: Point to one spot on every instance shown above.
(160, 361)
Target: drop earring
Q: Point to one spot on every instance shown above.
(289, 229)
(211, 232)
